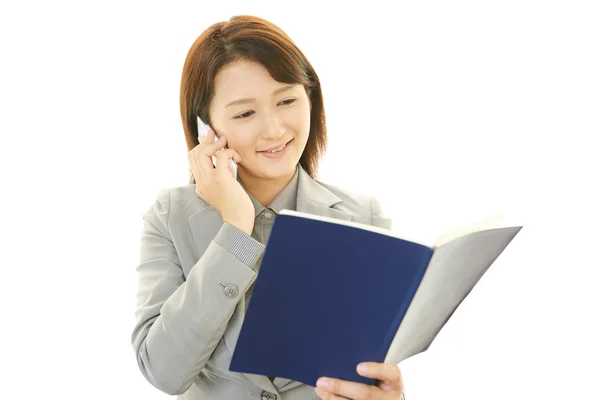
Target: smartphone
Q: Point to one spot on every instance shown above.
(202, 133)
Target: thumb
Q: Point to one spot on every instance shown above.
(236, 156)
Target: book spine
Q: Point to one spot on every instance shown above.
(381, 355)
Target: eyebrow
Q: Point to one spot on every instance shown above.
(280, 90)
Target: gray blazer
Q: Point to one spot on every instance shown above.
(187, 323)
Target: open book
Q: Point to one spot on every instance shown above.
(332, 293)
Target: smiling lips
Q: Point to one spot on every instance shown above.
(278, 152)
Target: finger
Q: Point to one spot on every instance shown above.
(193, 162)
(200, 164)
(389, 387)
(223, 158)
(236, 156)
(205, 152)
(352, 390)
(208, 145)
(208, 137)
(389, 374)
(203, 142)
(211, 148)
(328, 396)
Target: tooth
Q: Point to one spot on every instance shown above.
(276, 150)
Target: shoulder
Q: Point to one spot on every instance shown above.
(179, 195)
(185, 196)
(350, 198)
(365, 207)
(176, 201)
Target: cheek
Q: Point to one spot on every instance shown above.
(241, 141)
(304, 127)
(299, 120)
(306, 119)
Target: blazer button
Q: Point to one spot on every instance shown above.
(268, 396)
(231, 291)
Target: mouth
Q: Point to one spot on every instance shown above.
(277, 151)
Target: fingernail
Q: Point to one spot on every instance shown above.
(362, 369)
(323, 383)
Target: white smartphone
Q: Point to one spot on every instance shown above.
(202, 133)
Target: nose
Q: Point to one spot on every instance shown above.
(272, 128)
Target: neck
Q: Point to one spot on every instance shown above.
(264, 190)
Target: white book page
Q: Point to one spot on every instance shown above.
(358, 225)
(491, 222)
(452, 273)
(488, 223)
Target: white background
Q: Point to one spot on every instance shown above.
(447, 111)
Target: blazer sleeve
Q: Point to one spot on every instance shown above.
(377, 216)
(180, 322)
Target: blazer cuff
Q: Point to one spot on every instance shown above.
(243, 246)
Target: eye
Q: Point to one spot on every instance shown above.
(286, 102)
(244, 115)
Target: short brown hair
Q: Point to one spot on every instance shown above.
(250, 38)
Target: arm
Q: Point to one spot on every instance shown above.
(179, 323)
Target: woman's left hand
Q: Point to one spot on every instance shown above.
(389, 386)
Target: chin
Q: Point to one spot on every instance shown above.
(276, 171)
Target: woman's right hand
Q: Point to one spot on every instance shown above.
(217, 186)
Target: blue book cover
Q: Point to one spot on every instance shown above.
(331, 294)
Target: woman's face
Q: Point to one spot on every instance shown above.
(256, 113)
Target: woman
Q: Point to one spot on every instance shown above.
(202, 243)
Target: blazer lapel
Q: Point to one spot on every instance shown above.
(313, 198)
